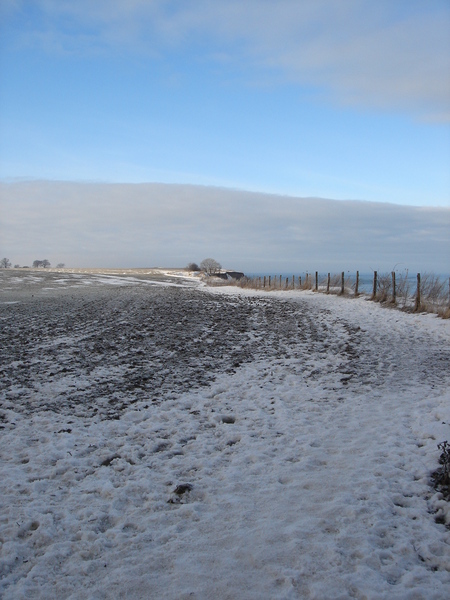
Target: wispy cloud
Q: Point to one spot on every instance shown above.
(357, 52)
(125, 225)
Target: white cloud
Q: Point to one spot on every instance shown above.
(126, 225)
(385, 54)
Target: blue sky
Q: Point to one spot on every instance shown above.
(333, 98)
(287, 99)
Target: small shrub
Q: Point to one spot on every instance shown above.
(192, 267)
(444, 313)
(384, 286)
(441, 477)
(434, 294)
(432, 287)
(335, 284)
(403, 289)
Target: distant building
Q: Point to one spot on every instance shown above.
(230, 275)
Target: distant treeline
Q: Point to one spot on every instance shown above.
(5, 263)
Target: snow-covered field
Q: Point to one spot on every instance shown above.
(164, 440)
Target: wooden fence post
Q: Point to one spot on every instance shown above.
(342, 282)
(417, 302)
(280, 282)
(307, 281)
(264, 281)
(269, 281)
(293, 282)
(299, 282)
(317, 281)
(328, 283)
(357, 284)
(287, 283)
(394, 290)
(374, 291)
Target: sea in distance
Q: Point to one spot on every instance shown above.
(365, 279)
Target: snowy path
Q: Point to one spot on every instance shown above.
(308, 456)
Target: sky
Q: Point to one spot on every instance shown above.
(171, 225)
(339, 99)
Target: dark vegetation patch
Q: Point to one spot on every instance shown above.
(179, 493)
(441, 477)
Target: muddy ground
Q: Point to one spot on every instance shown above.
(90, 343)
(82, 345)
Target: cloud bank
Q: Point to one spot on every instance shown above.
(382, 54)
(147, 225)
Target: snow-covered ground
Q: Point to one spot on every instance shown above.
(165, 440)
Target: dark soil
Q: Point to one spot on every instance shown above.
(96, 350)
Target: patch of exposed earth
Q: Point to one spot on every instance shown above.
(104, 349)
(77, 345)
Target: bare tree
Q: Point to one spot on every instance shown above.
(5, 263)
(210, 266)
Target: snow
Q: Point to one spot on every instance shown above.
(166, 440)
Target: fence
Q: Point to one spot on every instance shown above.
(429, 293)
